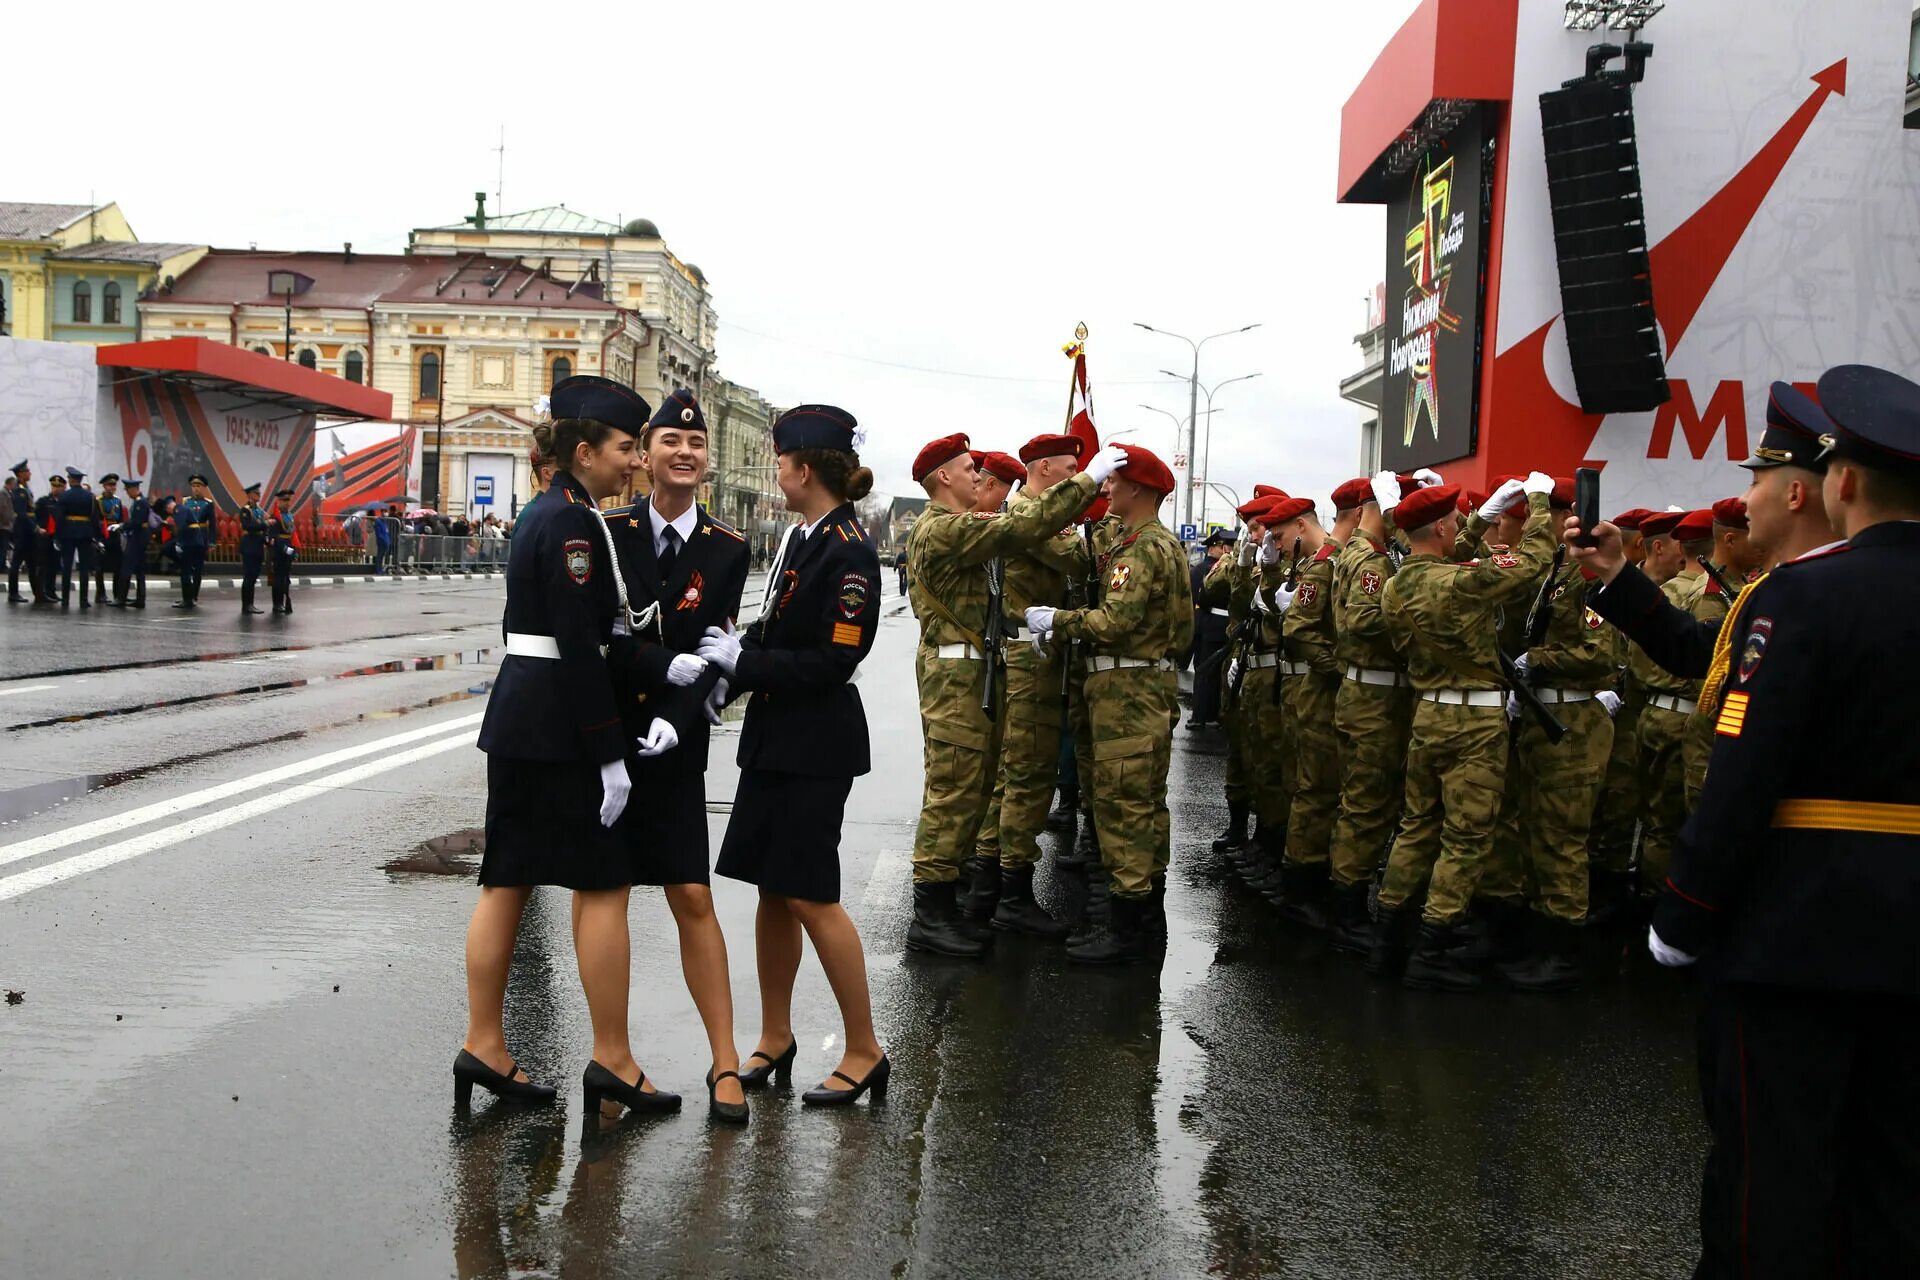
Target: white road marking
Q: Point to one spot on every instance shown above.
(31, 688)
(25, 882)
(892, 869)
(120, 823)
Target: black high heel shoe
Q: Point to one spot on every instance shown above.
(599, 1083)
(731, 1112)
(469, 1071)
(779, 1070)
(876, 1081)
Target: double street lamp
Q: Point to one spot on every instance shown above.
(1205, 467)
(1193, 397)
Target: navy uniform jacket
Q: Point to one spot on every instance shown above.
(279, 528)
(709, 573)
(78, 515)
(193, 524)
(23, 529)
(796, 660)
(1800, 866)
(559, 584)
(137, 518)
(253, 528)
(112, 511)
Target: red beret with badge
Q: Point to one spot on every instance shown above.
(938, 453)
(1145, 469)
(1423, 506)
(1268, 491)
(1053, 446)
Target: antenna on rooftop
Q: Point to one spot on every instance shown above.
(500, 171)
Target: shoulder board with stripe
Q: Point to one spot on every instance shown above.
(716, 526)
(622, 513)
(1326, 552)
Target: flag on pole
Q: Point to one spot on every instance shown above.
(1080, 412)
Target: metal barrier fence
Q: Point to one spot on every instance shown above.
(399, 547)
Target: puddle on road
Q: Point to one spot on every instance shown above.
(193, 659)
(434, 662)
(457, 853)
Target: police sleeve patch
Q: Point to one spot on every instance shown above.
(1757, 637)
(853, 595)
(579, 556)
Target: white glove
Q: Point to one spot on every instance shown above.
(1283, 597)
(615, 786)
(1427, 477)
(1040, 623)
(1386, 490)
(1523, 664)
(1610, 700)
(716, 702)
(1513, 706)
(1105, 463)
(1539, 482)
(1243, 555)
(684, 670)
(1269, 549)
(661, 738)
(720, 646)
(1500, 499)
(1666, 955)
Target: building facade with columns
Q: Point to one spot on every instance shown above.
(73, 272)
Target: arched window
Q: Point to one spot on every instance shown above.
(263, 351)
(307, 359)
(562, 370)
(82, 302)
(355, 366)
(110, 302)
(429, 376)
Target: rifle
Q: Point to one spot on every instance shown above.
(1293, 570)
(1719, 578)
(994, 636)
(1540, 616)
(1529, 699)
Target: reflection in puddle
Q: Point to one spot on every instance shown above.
(457, 853)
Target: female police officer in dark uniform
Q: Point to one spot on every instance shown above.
(803, 744)
(557, 775)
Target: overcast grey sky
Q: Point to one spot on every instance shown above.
(951, 187)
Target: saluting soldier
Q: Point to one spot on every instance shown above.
(253, 549)
(193, 535)
(1143, 622)
(949, 554)
(20, 549)
(77, 527)
(1443, 615)
(113, 512)
(1266, 746)
(132, 574)
(282, 547)
(1217, 595)
(1209, 633)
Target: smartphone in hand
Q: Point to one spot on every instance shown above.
(1586, 504)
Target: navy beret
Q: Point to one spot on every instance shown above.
(1876, 415)
(600, 400)
(681, 410)
(814, 426)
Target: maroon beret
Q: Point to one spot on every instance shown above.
(1003, 465)
(1562, 495)
(1268, 491)
(1146, 469)
(938, 453)
(1423, 506)
(1053, 446)
(1730, 513)
(1660, 524)
(1281, 510)
(1695, 526)
(1631, 519)
(1355, 492)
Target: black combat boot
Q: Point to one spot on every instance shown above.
(1154, 928)
(1440, 962)
(1020, 912)
(1067, 812)
(1387, 944)
(1301, 894)
(1494, 932)
(1122, 939)
(936, 925)
(1552, 963)
(1085, 851)
(1235, 836)
(1094, 917)
(1352, 931)
(1609, 899)
(979, 888)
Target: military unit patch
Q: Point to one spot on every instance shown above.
(1371, 581)
(1118, 578)
(579, 553)
(1309, 592)
(1757, 637)
(1594, 620)
(853, 596)
(1507, 562)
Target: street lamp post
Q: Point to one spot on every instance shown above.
(1206, 450)
(1193, 395)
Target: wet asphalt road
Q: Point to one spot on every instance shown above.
(242, 989)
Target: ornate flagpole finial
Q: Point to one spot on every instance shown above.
(1080, 331)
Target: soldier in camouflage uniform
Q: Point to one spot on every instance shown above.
(1616, 814)
(1443, 616)
(1218, 594)
(1669, 699)
(1142, 623)
(1265, 742)
(948, 568)
(1736, 561)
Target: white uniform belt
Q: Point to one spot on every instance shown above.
(965, 651)
(1672, 702)
(1220, 613)
(1098, 663)
(1294, 668)
(1465, 697)
(522, 645)
(1369, 675)
(1566, 695)
(1261, 661)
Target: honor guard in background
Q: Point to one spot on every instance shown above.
(21, 551)
(1209, 634)
(281, 550)
(1035, 710)
(113, 513)
(1445, 621)
(955, 579)
(193, 534)
(77, 528)
(1136, 634)
(1309, 685)
(132, 574)
(253, 549)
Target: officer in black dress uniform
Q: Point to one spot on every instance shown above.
(1796, 882)
(675, 555)
(77, 526)
(1209, 636)
(804, 742)
(132, 573)
(253, 548)
(281, 548)
(46, 555)
(20, 549)
(558, 757)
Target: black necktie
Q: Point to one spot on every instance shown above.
(669, 554)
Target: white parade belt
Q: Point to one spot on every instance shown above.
(1261, 661)
(964, 651)
(1565, 695)
(1369, 675)
(1099, 663)
(1673, 702)
(1220, 613)
(522, 645)
(1294, 668)
(1465, 697)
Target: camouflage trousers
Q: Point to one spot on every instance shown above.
(1133, 711)
(1373, 722)
(1663, 773)
(1234, 722)
(1269, 751)
(961, 747)
(1696, 748)
(1456, 775)
(1029, 756)
(1316, 765)
(1614, 817)
(1540, 851)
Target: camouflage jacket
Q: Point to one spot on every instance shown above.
(1361, 572)
(1043, 575)
(1582, 651)
(1243, 584)
(948, 550)
(1308, 629)
(1444, 614)
(1146, 599)
(1652, 678)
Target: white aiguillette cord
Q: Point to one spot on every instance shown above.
(772, 586)
(635, 622)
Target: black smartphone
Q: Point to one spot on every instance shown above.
(1586, 504)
